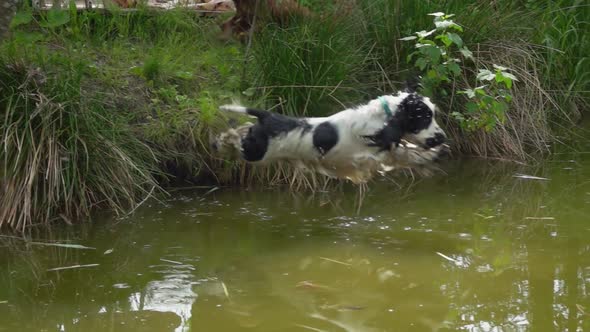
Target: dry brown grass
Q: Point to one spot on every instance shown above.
(527, 131)
(63, 156)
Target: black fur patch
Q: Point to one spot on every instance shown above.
(270, 125)
(414, 114)
(255, 144)
(388, 135)
(275, 124)
(325, 137)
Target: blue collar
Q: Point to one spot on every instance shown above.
(386, 107)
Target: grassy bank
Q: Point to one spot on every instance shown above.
(350, 56)
(100, 110)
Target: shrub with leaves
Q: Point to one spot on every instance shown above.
(487, 103)
(441, 55)
(437, 53)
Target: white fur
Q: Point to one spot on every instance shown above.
(233, 108)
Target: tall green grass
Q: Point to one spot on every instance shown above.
(309, 68)
(63, 154)
(564, 33)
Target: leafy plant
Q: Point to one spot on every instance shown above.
(487, 103)
(441, 53)
(438, 53)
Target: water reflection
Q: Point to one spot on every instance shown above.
(475, 250)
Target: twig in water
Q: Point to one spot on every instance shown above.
(334, 261)
(225, 290)
(539, 218)
(529, 177)
(63, 245)
(72, 267)
(171, 261)
(51, 244)
(485, 217)
(211, 190)
(448, 258)
(143, 201)
(190, 267)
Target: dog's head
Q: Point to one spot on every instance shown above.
(415, 121)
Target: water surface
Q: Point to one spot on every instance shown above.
(476, 249)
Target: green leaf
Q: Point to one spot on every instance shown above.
(466, 53)
(457, 27)
(499, 108)
(21, 18)
(443, 72)
(424, 33)
(445, 39)
(458, 116)
(433, 53)
(485, 75)
(454, 68)
(443, 24)
(455, 38)
(510, 76)
(469, 92)
(471, 107)
(427, 90)
(508, 83)
(55, 18)
(480, 92)
(432, 74)
(425, 42)
(421, 63)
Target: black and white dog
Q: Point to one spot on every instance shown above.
(349, 144)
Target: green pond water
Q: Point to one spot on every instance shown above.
(475, 249)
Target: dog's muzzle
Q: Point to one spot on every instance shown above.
(435, 141)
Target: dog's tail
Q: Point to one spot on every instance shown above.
(260, 114)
